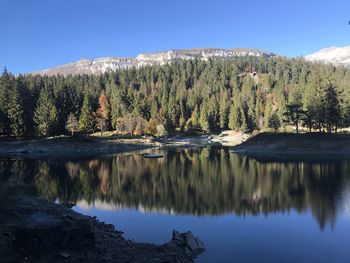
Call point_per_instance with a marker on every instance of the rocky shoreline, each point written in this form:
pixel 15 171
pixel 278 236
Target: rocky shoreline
pixel 71 147
pixel 34 230
pixel 66 147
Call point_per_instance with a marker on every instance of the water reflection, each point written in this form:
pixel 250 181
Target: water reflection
pixel 205 181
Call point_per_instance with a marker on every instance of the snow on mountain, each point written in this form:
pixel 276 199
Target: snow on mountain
pixel 333 55
pixel 107 64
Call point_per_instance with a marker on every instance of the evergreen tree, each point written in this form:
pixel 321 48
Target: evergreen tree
pixel 173 114
pixel 235 117
pixel 312 104
pixel 86 119
pixel 195 117
pixel 184 95
pixel 331 106
pixel 6 85
pixel 15 113
pixel 274 122
pixel 346 115
pixel 294 114
pixel 45 115
pixel 268 112
pixel 204 117
pixel 3 125
pixel 224 111
pixel 247 122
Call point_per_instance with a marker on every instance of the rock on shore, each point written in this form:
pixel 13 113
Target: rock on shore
pixel 44 232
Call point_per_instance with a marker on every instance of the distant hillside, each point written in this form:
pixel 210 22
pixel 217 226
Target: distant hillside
pixel 108 64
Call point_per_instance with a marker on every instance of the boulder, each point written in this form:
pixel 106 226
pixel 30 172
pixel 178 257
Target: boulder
pixel 192 244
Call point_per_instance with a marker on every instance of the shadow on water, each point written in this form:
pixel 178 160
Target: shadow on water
pixel 204 182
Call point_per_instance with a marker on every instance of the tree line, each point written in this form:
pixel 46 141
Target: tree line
pixel 245 94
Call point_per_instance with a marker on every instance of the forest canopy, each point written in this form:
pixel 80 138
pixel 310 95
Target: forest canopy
pixel 245 94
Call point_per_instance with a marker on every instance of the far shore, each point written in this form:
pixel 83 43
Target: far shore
pixel 266 145
pixel 66 147
pixel 294 147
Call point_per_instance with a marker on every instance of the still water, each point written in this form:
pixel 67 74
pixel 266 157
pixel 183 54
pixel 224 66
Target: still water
pixel 242 209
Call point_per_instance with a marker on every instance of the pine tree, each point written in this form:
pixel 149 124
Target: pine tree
pixel 346 115
pixel 45 115
pixel 267 111
pixel 224 111
pixel 195 117
pixel 115 104
pixel 274 121
pixel 15 112
pixel 204 117
pixel 6 84
pixel 294 114
pixel 86 119
pixel 173 113
pixel 312 104
pixel 176 94
pixel 331 106
pixel 3 125
pixel 235 117
pixel 247 122
pixel 154 109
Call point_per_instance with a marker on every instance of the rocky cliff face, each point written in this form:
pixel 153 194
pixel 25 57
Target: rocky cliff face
pixel 102 65
pixel 333 55
pixel 93 66
pixel 203 54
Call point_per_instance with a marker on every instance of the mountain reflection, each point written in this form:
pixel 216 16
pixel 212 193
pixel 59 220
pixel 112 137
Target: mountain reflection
pixel 205 181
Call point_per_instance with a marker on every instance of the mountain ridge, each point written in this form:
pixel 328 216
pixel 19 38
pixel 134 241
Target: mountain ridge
pixel 108 64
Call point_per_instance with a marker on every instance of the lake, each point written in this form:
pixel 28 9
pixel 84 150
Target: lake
pixel 244 210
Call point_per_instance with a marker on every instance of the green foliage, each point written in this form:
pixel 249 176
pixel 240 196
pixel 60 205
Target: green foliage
pixel 204 117
pixel 185 95
pixel 274 122
pixel 86 119
pixel 331 107
pixel 294 114
pixel 45 115
pixel 224 111
pixel 15 113
pixel 235 117
pixel 322 105
pixel 6 86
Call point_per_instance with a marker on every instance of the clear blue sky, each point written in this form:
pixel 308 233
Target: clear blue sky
pixel 37 34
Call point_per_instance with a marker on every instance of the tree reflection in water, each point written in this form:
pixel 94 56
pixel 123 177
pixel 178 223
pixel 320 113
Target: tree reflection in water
pixel 205 181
